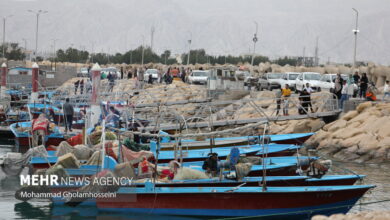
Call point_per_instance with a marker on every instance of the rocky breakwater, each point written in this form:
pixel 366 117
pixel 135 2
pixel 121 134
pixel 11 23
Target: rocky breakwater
pixel 361 135
pixel 242 109
pixel 373 215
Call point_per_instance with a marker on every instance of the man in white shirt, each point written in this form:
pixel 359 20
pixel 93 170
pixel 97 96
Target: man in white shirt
pixel 344 94
pixel 386 90
pixel 309 89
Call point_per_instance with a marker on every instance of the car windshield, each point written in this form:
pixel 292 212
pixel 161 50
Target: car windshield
pixel 199 73
pixel 151 71
pixel 312 76
pixel 292 76
pixel 275 76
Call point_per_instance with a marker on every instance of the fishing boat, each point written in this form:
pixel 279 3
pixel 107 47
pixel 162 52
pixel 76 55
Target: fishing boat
pixel 286 202
pixel 23 137
pixel 297 138
pixel 223 152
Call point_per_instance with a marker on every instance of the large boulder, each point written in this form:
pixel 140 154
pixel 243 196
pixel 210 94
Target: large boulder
pixel 361 135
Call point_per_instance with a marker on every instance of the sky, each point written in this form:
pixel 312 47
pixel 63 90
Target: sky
pixel 285 27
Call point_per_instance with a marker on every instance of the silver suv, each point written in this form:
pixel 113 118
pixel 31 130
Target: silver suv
pixel 270 81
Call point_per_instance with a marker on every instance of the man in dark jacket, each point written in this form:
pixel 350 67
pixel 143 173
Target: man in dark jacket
pixel 211 164
pixel 68 114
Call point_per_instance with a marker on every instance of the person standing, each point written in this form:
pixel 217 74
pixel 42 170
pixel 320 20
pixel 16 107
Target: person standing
pixel 286 93
pixel 111 82
pixel 121 72
pixel 68 114
pixel 140 76
pixel 338 85
pixel 386 90
pixel 81 86
pixel 76 86
pixel 183 74
pixel 344 94
pixel 356 78
pixel 355 81
pixel 363 86
pixel 309 91
pixel 278 96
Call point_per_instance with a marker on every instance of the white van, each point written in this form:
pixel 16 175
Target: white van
pixel 289 78
pixel 308 77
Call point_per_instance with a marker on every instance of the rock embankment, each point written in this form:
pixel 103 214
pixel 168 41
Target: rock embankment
pixel 373 215
pixel 360 135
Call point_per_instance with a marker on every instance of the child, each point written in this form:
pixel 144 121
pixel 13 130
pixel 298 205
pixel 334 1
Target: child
pixel 286 93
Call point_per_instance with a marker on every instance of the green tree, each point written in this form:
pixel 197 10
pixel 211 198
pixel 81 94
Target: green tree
pixel 12 51
pixel 286 60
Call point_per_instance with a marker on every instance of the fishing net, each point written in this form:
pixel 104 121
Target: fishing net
pixel 242 170
pixel 68 161
pixel 63 149
pixel 57 170
pixel 185 173
pixel 82 152
pixel 95 159
pixel 132 145
pixel 125 170
pixel 14 163
pixel 251 159
pixel 95 137
pixel 94 187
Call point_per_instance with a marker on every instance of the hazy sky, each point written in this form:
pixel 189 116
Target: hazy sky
pixel 286 27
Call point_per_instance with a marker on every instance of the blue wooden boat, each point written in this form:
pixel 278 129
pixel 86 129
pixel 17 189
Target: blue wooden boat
pixel 297 138
pixel 281 202
pixel 223 152
pixel 274 166
pixel 24 138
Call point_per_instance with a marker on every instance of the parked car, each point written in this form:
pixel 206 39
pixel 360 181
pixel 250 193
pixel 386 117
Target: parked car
pixel 151 73
pixel 198 77
pixel 327 81
pixel 248 79
pixel 270 81
pixel 289 78
pixel 83 72
pixel 112 70
pixel 308 77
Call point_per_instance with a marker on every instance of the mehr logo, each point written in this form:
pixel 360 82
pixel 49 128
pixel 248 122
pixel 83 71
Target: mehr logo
pixel 39 180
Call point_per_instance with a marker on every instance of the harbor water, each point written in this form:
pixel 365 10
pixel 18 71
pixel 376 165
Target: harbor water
pixel 10 208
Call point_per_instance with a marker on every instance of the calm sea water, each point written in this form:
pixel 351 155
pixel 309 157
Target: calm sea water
pixel 10 208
